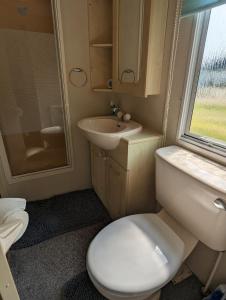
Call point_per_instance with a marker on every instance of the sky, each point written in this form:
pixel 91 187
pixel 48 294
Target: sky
pixel 216 36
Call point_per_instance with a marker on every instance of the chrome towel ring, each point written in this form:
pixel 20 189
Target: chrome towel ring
pixel 78 70
pixel 128 71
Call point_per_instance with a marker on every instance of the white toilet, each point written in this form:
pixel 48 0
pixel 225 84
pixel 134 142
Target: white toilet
pixel 13 221
pixel 133 257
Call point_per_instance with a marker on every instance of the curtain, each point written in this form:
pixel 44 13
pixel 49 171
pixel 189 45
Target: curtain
pixel 193 6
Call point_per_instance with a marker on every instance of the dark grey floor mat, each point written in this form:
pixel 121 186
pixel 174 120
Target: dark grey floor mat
pixel 189 289
pixel 61 214
pixel 41 271
pixel 80 287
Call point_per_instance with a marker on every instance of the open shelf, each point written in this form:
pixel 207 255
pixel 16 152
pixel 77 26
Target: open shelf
pixel 100 20
pixel 100 41
pixel 101 67
pixel 105 90
pixel 101 45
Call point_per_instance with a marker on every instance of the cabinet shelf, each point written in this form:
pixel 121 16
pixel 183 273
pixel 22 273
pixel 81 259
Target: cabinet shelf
pixel 101 45
pixel 105 90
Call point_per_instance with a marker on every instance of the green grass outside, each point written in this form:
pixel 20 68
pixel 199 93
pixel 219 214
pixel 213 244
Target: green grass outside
pixel 209 119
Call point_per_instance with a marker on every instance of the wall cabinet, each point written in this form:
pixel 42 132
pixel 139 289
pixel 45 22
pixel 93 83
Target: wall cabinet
pixel 124 178
pixel 130 49
pixel 138 39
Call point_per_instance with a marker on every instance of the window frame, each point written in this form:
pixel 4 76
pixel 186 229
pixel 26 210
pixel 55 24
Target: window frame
pixel 200 28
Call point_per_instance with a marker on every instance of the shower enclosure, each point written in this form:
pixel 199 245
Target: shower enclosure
pixel 32 121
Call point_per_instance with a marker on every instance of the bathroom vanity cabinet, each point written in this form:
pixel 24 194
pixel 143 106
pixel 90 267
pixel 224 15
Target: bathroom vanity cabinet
pixel 127 45
pixel 123 178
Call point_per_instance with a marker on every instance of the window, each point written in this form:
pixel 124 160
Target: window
pixel 203 120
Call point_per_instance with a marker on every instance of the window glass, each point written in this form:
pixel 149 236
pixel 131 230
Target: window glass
pixel 208 119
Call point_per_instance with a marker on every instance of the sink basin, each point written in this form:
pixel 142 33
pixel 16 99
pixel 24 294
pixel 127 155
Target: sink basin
pixel 106 132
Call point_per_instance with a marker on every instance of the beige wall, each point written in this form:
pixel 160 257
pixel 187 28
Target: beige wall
pixel 37 15
pixel 201 262
pixel 83 102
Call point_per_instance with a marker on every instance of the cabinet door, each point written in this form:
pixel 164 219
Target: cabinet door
pixel 98 168
pixel 130 40
pixel 116 189
pixel 138 45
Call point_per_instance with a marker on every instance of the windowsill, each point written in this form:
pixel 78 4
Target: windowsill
pixel 202 149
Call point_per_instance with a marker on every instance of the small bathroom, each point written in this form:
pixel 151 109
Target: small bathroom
pixel 112 149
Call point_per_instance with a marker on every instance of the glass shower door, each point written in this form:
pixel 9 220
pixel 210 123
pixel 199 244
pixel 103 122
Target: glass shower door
pixel 31 105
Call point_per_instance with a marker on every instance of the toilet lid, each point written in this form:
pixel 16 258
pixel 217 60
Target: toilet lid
pixel 135 254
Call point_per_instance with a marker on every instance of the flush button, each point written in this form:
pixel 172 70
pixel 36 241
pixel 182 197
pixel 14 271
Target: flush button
pixel 220 203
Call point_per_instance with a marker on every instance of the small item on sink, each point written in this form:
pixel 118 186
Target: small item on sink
pixel 119 115
pixel 127 117
pixel 109 83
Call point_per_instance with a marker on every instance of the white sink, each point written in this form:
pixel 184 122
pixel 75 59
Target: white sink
pixel 106 132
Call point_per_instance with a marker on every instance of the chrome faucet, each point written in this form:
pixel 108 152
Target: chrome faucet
pixel 114 108
pixel 116 111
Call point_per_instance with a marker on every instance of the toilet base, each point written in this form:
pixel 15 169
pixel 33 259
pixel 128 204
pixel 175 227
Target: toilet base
pixel 110 296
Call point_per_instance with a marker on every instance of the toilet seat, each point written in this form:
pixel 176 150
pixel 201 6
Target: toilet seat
pixel 134 256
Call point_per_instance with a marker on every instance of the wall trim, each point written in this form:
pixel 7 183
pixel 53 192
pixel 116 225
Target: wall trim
pixel 171 68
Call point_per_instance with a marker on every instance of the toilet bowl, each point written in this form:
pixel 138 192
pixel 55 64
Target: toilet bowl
pixel 135 256
pixel 13 221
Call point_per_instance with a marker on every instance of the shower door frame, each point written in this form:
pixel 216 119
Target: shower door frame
pixel 5 170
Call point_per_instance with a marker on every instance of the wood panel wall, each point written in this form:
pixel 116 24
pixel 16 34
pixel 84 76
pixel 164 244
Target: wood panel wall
pixel 29 15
